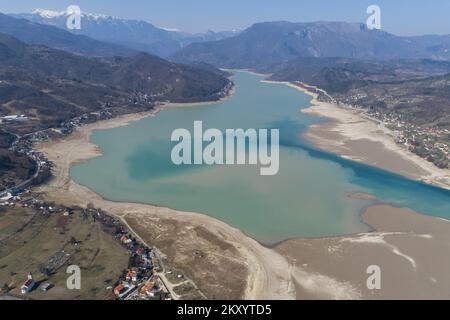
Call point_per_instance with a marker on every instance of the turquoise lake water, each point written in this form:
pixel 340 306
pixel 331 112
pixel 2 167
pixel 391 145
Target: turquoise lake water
pixel 308 197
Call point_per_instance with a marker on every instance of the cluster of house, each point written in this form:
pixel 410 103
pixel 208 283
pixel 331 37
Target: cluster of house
pixel 69 126
pixel 31 200
pixel 135 288
pixel 140 281
pixel 427 142
pixel 430 143
pixel 106 112
pixel 7 199
pixel 23 146
pixel 12 118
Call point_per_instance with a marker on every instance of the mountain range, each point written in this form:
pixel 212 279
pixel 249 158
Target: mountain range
pixel 260 45
pixel 268 43
pixel 418 90
pixel 134 34
pixel 333 74
pixel 36 33
pixel 51 86
pixel 346 59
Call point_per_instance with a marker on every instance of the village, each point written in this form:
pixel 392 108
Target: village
pixel 144 278
pixel 147 276
pixel 431 143
pixel 23 144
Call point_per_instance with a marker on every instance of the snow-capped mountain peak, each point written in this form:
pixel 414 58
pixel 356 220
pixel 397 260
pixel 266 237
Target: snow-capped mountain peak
pixel 136 34
pixel 168 29
pixel 49 14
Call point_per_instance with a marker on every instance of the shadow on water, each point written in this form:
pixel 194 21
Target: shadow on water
pixel 388 186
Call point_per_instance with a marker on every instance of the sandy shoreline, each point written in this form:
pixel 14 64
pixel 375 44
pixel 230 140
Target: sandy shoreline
pixel 199 104
pixel 357 138
pixel 297 268
pixel 266 268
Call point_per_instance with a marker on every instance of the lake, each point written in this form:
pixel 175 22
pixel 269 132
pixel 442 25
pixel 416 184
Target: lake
pixel 308 197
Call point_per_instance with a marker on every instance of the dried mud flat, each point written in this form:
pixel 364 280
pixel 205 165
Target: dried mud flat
pixel 412 251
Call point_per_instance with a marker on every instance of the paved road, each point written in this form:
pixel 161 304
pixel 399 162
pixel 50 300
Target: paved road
pixel 26 182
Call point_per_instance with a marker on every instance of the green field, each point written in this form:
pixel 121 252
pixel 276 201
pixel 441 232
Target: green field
pixel 30 240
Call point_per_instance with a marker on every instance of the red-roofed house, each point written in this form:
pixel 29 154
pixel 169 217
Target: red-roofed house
pixel 119 289
pixel 28 285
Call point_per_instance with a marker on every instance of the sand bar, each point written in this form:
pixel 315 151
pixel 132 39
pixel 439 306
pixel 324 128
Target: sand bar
pixel 355 137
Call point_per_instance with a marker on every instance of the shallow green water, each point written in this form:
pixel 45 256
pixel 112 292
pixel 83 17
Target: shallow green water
pixel 308 197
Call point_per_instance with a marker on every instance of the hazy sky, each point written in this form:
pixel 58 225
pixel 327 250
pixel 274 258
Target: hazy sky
pixel 403 17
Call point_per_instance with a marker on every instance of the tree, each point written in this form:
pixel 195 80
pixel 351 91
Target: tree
pixel 5 288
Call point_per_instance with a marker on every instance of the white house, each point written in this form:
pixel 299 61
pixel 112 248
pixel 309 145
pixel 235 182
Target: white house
pixel 28 285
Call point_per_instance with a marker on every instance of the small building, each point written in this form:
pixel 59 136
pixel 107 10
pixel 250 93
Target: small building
pixel 150 289
pixel 119 289
pixel 131 275
pixel 123 290
pixel 6 197
pixel 125 239
pixel 46 286
pixel 28 285
pixel 147 287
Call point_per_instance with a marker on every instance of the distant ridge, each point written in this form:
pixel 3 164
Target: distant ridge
pixel 35 33
pixel 135 34
pixel 275 42
pixel 51 86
